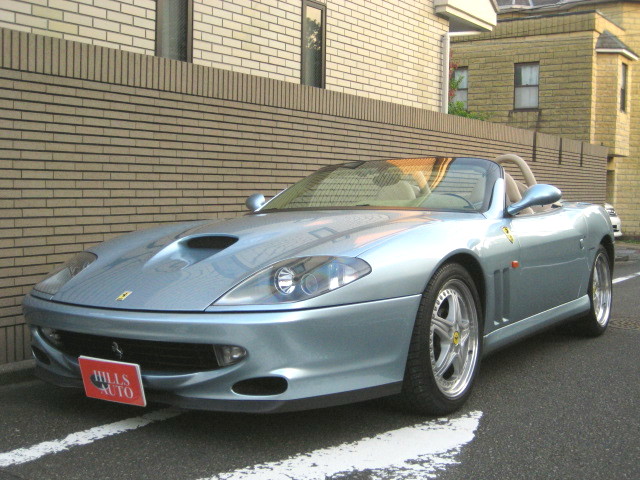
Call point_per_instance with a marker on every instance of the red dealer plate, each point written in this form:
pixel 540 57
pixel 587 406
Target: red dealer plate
pixel 112 381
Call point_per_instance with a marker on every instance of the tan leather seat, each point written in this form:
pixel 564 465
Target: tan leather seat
pixel 514 192
pixel 398 191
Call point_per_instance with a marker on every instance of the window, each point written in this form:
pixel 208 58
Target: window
pixel 623 87
pixel 461 80
pixel 174 29
pixel 527 76
pixel 313 44
pixel 611 181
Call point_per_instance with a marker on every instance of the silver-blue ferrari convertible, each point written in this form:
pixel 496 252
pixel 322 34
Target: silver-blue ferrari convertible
pixel 365 279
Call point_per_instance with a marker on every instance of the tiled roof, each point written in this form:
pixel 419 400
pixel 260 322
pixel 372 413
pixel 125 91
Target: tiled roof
pixel 608 42
pixel 511 3
pixel 505 4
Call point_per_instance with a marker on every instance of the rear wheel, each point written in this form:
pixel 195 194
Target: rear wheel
pixel 596 321
pixel 445 346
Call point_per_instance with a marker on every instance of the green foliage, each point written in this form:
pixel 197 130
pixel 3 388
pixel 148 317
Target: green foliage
pixel 453 82
pixel 457 108
pixel 313 35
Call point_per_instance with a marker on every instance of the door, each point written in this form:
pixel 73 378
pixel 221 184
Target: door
pixel 552 261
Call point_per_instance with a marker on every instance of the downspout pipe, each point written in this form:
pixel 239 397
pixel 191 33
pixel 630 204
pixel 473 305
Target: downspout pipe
pixel 446 52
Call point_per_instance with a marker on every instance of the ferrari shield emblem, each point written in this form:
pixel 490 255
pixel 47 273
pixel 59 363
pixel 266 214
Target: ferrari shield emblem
pixel 507 232
pixel 123 295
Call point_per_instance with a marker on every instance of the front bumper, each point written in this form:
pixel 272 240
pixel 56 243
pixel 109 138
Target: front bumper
pixel 327 355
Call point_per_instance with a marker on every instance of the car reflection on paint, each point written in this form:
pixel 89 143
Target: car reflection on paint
pixel 365 279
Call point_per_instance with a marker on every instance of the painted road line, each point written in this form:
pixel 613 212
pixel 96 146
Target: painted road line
pixel 419 451
pixel 628 277
pixel 23 455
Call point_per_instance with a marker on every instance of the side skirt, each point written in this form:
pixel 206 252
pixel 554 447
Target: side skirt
pixel 529 326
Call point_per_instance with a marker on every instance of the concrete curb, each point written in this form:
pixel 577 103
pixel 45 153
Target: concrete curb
pixel 17 372
pixel 627 251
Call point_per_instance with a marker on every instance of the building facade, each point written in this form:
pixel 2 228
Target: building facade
pixel 385 50
pixel 120 115
pixel 565 67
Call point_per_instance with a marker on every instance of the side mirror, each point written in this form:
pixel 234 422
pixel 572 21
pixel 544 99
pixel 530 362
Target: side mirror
pixel 255 202
pixel 537 195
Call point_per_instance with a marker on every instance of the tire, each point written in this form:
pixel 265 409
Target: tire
pixel 600 291
pixel 444 353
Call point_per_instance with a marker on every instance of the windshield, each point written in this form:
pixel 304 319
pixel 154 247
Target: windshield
pixel 434 183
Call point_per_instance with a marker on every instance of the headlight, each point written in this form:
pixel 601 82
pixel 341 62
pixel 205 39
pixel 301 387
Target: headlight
pixel 56 279
pixel 295 280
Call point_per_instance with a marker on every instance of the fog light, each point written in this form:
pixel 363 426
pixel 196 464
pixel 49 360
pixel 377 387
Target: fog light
pixel 229 354
pixel 52 336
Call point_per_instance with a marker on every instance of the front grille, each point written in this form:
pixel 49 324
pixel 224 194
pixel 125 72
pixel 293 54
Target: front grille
pixel 150 355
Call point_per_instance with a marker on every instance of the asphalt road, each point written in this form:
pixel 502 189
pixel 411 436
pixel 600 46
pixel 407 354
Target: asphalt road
pixel 555 406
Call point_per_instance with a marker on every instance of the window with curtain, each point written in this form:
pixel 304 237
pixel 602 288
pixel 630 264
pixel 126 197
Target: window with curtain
pixel 527 80
pixel 174 31
pixel 624 72
pixel 313 44
pixel 461 77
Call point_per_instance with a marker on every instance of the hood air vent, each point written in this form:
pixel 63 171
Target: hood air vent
pixel 188 251
pixel 209 242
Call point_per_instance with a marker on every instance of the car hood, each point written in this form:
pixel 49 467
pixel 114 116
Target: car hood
pixel 188 267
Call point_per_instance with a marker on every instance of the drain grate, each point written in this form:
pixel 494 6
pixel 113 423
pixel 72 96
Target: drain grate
pixel 625 323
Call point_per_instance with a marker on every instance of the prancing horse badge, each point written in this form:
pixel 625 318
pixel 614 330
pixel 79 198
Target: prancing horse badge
pixel 122 296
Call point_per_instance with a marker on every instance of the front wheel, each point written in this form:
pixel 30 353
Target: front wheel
pixel 595 322
pixel 445 345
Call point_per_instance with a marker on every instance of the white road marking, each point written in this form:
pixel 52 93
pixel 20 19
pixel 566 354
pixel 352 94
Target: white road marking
pixel 413 452
pixel 628 277
pixel 23 455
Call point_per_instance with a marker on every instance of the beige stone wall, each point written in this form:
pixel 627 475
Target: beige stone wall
pixel 566 66
pixel 610 125
pixel 380 49
pixel 627 168
pixel 579 90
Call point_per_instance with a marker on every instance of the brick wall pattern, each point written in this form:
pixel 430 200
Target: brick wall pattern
pixel 96 142
pixel 380 49
pixel 123 24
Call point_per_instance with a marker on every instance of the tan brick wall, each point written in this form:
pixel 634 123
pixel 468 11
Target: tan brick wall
pixel 380 49
pixel 255 37
pixel 386 50
pixel 125 24
pixel 96 142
